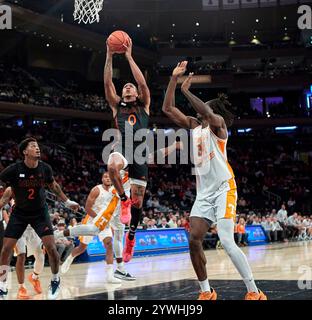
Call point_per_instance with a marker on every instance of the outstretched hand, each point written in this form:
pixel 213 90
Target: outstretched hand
pixel 128 47
pixel 180 69
pixel 109 50
pixel 187 82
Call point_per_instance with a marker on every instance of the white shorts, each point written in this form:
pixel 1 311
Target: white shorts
pixel 29 240
pixel 106 233
pixel 125 161
pixel 221 206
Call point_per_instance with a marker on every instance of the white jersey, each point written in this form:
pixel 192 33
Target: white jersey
pixel 214 175
pixel 103 200
pixel 105 197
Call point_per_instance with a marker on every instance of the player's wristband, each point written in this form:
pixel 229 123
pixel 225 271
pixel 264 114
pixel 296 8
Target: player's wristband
pixel 68 203
pixel 123 197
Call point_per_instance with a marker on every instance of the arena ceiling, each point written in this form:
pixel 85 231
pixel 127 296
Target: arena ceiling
pixel 181 20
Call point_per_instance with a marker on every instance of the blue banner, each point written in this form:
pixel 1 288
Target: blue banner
pixel 256 235
pixel 150 242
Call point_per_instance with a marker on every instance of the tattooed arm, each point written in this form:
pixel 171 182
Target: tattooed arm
pixel 56 189
pixel 6 197
pixel 109 87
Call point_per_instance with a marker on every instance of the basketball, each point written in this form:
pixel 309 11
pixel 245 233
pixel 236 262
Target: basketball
pixel 117 41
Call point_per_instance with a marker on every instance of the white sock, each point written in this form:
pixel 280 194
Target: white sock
pixel 21 285
pixel 35 276
pixel 110 270
pixel 56 277
pixel 225 232
pixel 84 230
pixel 121 267
pixel 204 286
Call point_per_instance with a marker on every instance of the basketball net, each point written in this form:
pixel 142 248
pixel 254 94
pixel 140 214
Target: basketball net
pixel 87 11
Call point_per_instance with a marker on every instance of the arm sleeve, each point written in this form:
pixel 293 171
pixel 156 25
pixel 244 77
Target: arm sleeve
pixel 48 174
pixel 8 175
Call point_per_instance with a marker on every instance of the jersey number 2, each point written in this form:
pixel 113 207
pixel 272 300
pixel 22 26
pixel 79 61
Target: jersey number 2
pixel 31 194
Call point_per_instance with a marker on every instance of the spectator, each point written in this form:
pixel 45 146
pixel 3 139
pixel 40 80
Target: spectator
pixel 185 223
pixel 241 233
pixel 151 224
pixel 277 230
pixel 282 219
pixel 164 224
pixel 267 226
pixel 173 222
pixel 73 223
pixel 144 224
pixel 293 225
pixel 256 220
pixel 63 245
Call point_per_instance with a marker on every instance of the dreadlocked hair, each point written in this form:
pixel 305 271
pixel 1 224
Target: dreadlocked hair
pixel 220 106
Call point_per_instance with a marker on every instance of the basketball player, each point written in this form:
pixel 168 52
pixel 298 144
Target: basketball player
pixel 100 214
pixel 28 180
pixel 33 244
pixel 216 189
pixel 131 110
pixel 98 202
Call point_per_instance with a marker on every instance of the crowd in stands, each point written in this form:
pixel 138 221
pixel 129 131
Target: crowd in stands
pixel 41 89
pixel 19 86
pixel 277 170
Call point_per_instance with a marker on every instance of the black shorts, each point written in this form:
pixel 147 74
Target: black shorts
pixel 136 171
pixel 39 220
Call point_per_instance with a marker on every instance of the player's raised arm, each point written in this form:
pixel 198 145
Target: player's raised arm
pixel 201 107
pixel 109 87
pixel 144 93
pixel 91 200
pixel 168 107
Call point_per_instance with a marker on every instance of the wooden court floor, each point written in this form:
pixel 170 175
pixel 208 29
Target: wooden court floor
pixel 276 267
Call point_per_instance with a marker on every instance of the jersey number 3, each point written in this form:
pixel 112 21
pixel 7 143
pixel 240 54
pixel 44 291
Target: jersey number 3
pixel 31 194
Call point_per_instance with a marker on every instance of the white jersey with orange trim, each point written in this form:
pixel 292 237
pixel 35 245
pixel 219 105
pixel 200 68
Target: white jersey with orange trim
pixel 107 207
pixel 216 194
pixel 211 165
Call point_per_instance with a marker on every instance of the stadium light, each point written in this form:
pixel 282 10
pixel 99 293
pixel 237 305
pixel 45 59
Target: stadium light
pixel 289 128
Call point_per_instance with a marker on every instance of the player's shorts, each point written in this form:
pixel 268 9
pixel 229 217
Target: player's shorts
pixel 29 240
pixel 219 206
pixel 106 233
pixel 19 220
pixel 138 173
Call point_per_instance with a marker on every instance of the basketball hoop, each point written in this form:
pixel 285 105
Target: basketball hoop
pixel 87 11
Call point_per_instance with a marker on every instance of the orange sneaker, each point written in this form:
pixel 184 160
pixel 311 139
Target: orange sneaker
pixel 22 294
pixel 212 295
pixel 125 215
pixel 128 249
pixel 256 296
pixel 35 283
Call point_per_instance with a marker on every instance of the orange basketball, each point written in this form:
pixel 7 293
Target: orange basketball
pixel 117 41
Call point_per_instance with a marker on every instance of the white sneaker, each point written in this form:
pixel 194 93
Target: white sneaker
pixel 123 275
pixel 113 280
pixel 54 289
pixel 66 264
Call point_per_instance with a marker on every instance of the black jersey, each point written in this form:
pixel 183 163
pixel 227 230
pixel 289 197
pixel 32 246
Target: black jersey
pixel 131 114
pixel 28 184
